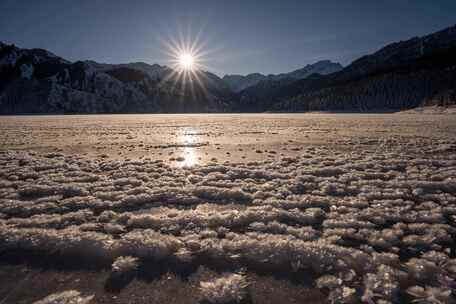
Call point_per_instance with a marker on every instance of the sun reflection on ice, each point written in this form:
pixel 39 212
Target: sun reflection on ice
pixel 188 156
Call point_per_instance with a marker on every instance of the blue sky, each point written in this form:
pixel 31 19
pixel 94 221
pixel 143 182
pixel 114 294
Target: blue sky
pixel 236 36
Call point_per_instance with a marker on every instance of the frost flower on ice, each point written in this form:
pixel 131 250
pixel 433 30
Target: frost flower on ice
pixel 125 264
pixel 430 294
pixel 230 288
pixel 65 297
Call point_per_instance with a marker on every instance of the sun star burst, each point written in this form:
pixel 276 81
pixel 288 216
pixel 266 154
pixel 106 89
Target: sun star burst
pixel 187 59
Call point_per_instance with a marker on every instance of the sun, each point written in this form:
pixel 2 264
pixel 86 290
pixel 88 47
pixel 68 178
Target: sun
pixel 186 61
pixel 188 55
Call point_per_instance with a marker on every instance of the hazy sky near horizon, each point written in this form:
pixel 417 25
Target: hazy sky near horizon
pixel 237 36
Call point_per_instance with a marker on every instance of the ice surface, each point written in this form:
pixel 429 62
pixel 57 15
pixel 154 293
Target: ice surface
pixel 366 205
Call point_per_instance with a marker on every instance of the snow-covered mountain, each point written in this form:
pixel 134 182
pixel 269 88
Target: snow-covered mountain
pixel 37 81
pixel 402 75
pixel 238 83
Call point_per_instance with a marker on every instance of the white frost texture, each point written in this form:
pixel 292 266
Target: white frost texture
pixel 372 225
pixel 66 297
pixel 124 265
pixel 230 288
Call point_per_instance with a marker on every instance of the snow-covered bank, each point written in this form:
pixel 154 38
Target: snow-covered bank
pixel 430 110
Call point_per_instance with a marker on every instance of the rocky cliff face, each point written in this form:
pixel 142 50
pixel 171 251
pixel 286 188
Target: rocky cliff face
pixel 402 75
pixel 37 81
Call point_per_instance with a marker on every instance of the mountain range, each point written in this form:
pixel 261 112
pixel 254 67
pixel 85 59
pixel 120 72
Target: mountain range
pixel 417 72
pixel 238 83
pixel 402 75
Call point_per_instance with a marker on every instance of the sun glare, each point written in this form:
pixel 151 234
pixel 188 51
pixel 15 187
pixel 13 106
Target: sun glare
pixel 186 61
pixel 188 57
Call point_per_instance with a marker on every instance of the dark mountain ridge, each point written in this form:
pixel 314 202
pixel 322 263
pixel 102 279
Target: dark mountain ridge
pixel 399 76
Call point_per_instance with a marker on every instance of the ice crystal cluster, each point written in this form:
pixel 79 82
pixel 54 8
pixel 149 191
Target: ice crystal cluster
pixel 376 225
pixel 66 297
pixel 230 288
pixel 125 265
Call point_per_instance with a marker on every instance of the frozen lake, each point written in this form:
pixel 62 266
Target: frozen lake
pixel 201 138
pixel 306 207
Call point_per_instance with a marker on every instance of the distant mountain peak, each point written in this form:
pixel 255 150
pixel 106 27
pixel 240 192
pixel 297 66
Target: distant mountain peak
pixel 401 75
pixel 238 83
